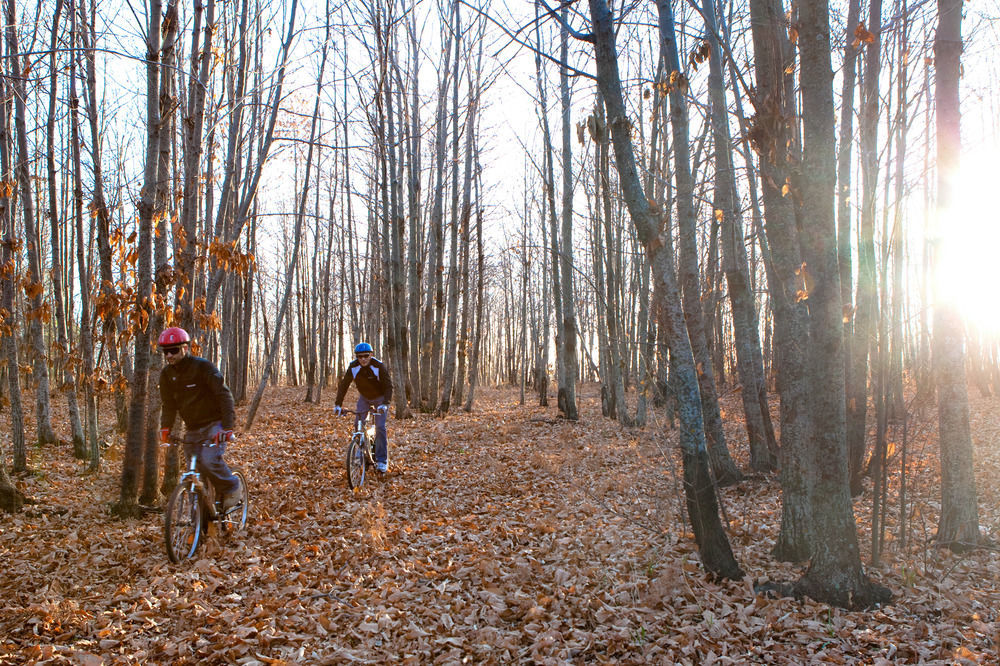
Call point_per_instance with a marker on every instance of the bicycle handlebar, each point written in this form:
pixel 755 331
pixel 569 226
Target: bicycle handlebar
pixel 372 409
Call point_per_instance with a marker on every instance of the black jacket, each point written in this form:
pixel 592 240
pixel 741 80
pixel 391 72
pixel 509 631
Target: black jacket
pixel 195 388
pixel 372 381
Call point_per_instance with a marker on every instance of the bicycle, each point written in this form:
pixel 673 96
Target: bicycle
pixel 361 450
pixel 192 506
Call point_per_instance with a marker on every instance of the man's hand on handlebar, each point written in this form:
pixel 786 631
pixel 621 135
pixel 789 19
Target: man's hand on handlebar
pixel 224 436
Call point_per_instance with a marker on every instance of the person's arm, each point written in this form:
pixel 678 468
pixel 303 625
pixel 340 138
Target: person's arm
pixel 224 398
pixel 386 383
pixel 168 407
pixel 345 383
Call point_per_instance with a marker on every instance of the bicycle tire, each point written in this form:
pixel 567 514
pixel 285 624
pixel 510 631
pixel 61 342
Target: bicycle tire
pixel 182 524
pixel 235 519
pixel 356 463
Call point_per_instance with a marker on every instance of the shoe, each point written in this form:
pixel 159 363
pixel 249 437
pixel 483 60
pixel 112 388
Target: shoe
pixel 232 499
pixel 382 467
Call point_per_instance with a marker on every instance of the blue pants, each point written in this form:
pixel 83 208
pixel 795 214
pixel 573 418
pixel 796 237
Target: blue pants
pixel 210 461
pixel 381 438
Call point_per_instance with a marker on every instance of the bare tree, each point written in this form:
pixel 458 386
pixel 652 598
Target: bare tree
pixel 33 279
pixel 134 443
pixel 866 312
pixel 735 263
pixel 725 470
pixel 62 360
pixel 703 511
pixel 835 574
pixel 297 232
pixel 958 527
pixel 9 246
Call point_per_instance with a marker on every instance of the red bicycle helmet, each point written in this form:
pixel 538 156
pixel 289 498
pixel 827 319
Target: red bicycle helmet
pixel 173 336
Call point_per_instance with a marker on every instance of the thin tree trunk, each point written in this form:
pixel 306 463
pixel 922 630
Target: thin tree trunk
pixel 432 319
pixel 34 278
pixel 92 450
pixel 162 272
pixel 567 390
pixel 725 470
pixel 703 511
pixel 68 378
pixel 477 339
pixel 866 303
pixel 9 244
pixel 734 256
pixel 451 335
pixel 127 506
pixel 293 260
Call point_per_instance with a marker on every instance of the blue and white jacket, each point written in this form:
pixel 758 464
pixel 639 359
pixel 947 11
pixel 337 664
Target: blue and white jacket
pixel 372 381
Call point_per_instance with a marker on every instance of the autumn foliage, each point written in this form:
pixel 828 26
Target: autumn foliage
pixel 502 536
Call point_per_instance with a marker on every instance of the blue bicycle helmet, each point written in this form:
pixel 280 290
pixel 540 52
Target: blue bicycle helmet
pixel 362 348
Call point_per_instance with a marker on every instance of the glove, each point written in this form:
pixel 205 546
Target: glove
pixel 223 436
pixel 164 435
pixel 338 410
pixel 383 409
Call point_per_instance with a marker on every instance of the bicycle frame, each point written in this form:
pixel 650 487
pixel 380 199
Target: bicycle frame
pixel 361 451
pixel 366 428
pixel 205 491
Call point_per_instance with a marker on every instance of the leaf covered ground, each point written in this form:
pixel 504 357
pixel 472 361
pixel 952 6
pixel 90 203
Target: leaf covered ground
pixel 501 536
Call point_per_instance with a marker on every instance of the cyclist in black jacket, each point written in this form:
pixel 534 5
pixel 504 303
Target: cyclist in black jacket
pixel 193 387
pixel 371 376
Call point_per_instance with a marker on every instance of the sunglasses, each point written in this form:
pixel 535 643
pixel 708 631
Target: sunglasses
pixel 360 356
pixel 170 351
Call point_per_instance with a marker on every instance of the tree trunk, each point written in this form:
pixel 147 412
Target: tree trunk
pixel 140 315
pixel 713 544
pixel 451 334
pixel 293 260
pixel 609 312
pixel 866 302
pixel 567 390
pixel 34 278
pixel 723 467
pixel 92 449
pixel 9 245
pixel 414 273
pixel 477 339
pixel 835 574
pixel 194 119
pixel 432 318
pixel 734 257
pixel 162 272
pixel 845 205
pixel 958 527
pixel 68 377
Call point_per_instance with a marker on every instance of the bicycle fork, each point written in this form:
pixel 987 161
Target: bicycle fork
pixel 205 495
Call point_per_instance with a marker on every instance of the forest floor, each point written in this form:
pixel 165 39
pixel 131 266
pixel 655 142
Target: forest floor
pixel 501 536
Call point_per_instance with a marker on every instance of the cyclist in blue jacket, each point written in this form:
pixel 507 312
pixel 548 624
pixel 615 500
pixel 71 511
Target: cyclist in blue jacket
pixel 371 377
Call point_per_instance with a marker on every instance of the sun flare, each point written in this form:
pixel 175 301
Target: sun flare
pixel 970 243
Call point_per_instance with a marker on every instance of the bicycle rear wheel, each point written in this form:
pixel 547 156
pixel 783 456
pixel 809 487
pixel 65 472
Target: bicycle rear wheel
pixel 357 462
pixel 235 518
pixel 183 521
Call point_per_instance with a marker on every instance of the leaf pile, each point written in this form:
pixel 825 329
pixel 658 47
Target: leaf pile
pixel 501 536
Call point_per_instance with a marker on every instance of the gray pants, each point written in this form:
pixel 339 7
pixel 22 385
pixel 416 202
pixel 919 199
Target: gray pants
pixel 210 461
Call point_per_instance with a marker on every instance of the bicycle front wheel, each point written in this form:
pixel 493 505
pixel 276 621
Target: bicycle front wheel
pixel 182 524
pixel 356 463
pixel 234 519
